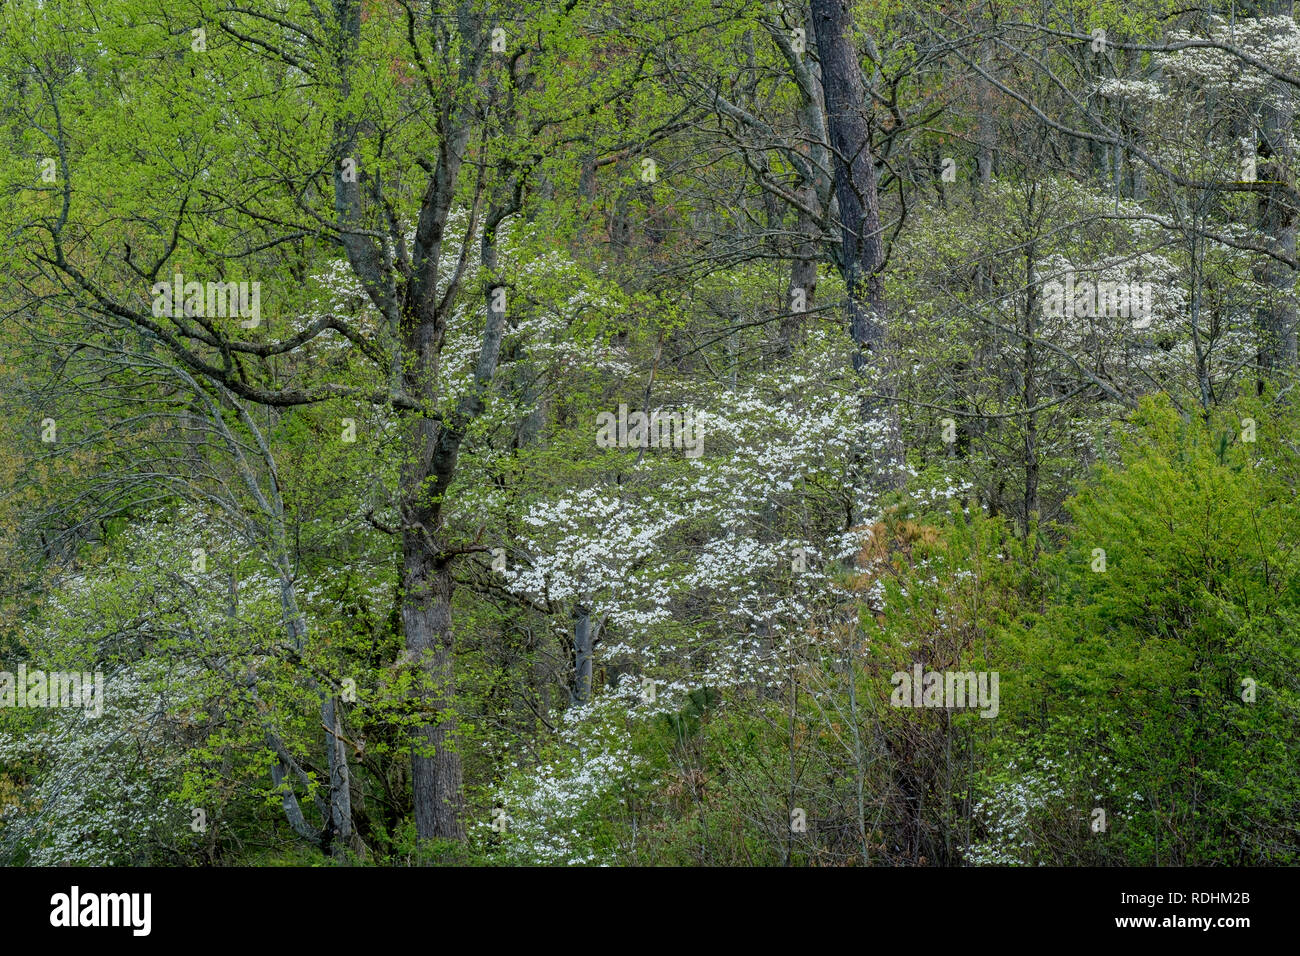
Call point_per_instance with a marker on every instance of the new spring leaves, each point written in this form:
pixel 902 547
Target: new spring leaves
pixel 220 298
pixel 214 300
pixel 1099 565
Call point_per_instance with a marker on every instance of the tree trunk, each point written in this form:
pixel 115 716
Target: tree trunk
pixel 435 760
pixel 1275 318
pixel 803 279
pixel 986 129
pixel 1030 391
pixel 862 245
pixel 813 191
pixel 582 655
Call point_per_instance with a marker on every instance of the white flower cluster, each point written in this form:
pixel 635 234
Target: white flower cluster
pixel 105 798
pixel 1274 40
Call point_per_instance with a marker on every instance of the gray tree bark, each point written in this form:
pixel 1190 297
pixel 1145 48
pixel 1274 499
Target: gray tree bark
pixel 814 191
pixel 862 250
pixel 582 655
pixel 1275 317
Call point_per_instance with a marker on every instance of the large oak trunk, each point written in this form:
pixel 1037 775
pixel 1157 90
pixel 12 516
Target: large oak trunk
pixel 435 761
